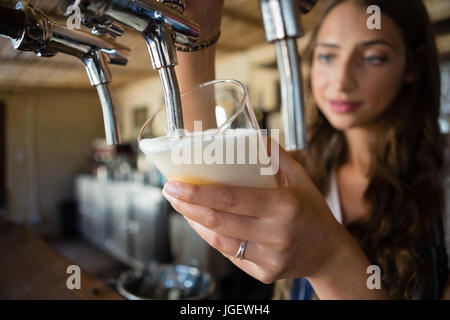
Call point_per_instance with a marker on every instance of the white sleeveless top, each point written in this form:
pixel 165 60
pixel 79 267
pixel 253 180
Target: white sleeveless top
pixel 334 204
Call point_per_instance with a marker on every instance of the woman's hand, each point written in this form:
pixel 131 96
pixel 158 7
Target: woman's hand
pixel 290 230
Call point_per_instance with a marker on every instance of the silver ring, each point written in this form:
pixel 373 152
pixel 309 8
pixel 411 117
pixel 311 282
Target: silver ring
pixel 240 253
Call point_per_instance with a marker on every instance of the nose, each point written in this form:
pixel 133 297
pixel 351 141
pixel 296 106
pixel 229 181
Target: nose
pixel 345 75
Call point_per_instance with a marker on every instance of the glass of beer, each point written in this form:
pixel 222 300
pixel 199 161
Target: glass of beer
pixel 221 142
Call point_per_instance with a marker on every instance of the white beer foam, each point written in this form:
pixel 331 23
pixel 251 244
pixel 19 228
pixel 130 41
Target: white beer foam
pixel 167 143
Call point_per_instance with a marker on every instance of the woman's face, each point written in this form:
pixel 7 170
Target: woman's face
pixel 356 72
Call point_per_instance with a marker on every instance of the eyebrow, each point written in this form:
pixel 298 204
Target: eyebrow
pixel 374 42
pixel 362 44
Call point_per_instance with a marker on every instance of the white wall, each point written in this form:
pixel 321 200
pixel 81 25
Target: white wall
pixel 49 135
pixel 146 93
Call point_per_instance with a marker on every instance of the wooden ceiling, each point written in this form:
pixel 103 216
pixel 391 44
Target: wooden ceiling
pixel 241 29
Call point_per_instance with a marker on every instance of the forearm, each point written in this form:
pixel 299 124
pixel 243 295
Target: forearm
pixel 345 277
pixel 195 67
pixel 198 66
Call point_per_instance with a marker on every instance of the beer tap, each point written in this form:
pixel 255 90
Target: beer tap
pixel 283 26
pixel 31 30
pixel 162 24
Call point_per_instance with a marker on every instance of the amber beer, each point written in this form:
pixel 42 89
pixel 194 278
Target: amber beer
pixel 236 157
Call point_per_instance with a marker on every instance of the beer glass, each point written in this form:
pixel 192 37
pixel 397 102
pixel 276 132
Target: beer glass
pixel 221 142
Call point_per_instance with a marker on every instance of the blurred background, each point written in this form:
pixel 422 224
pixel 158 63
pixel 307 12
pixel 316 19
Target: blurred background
pixel 101 206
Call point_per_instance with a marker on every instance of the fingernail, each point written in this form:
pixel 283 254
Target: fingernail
pixel 172 189
pixel 168 197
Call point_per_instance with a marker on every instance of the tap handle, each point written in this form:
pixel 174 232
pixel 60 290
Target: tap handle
pixel 282 25
pixel 98 24
pixel 142 14
pixel 111 29
pixel 31 30
pixel 180 38
pixel 12 23
pixel 281 17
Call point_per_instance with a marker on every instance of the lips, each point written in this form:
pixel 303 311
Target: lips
pixel 342 106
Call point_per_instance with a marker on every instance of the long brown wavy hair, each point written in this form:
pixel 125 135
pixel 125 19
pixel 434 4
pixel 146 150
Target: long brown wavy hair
pixel 405 191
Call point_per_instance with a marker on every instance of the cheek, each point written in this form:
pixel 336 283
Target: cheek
pixel 319 83
pixel 381 88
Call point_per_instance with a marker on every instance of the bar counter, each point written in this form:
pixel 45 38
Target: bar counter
pixel 31 269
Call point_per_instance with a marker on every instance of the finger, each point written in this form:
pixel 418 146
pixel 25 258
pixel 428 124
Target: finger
pixel 291 172
pixel 254 259
pixel 227 245
pixel 228 224
pixel 251 269
pixel 251 202
pixel 247 264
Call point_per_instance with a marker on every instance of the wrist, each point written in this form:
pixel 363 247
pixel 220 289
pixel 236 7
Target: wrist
pixel 200 45
pixel 342 251
pixel 208 32
pixel 344 274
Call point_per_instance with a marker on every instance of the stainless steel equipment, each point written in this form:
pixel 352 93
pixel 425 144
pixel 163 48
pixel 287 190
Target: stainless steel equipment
pixel 128 220
pixel 162 24
pixel 283 26
pixel 31 30
pixel 166 282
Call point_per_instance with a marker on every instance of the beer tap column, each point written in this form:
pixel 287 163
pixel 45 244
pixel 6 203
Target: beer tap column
pixel 161 23
pixel 96 64
pixel 164 59
pixel 283 27
pixel 31 30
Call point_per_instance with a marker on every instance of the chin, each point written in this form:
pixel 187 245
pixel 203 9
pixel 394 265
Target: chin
pixel 343 122
pixel 343 126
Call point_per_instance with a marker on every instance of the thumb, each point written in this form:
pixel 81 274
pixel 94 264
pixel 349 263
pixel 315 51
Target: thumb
pixel 290 171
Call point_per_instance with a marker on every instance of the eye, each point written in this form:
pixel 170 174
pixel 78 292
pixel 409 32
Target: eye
pixel 376 60
pixel 325 57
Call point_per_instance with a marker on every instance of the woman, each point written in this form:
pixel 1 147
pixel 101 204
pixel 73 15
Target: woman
pixel 370 189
